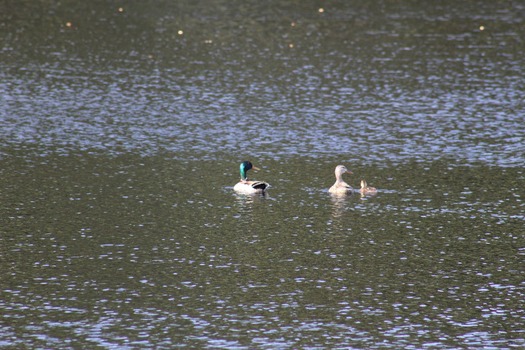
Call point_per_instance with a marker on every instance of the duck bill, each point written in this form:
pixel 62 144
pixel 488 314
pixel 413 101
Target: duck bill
pixel 255 168
pixel 349 172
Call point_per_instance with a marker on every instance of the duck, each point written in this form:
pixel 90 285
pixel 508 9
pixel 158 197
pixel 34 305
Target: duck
pixel 341 187
pixel 365 189
pixel 249 186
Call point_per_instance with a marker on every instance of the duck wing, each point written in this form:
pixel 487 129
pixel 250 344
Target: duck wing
pixel 259 185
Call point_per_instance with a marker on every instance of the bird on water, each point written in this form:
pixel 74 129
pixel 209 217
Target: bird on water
pixel 341 187
pixel 249 186
pixel 365 189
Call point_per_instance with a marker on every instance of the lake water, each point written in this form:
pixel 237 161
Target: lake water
pixel 122 127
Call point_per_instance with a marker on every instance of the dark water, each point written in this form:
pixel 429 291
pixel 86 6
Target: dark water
pixel 120 139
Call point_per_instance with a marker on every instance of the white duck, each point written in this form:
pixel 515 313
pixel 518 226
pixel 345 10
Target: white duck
pixel 341 187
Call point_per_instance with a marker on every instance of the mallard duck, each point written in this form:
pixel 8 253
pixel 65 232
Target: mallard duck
pixel 365 189
pixel 247 186
pixel 341 187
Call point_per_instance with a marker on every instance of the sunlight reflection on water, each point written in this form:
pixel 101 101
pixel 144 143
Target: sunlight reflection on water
pixel 203 113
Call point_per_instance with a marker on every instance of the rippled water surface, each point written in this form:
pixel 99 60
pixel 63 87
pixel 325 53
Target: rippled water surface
pixel 122 127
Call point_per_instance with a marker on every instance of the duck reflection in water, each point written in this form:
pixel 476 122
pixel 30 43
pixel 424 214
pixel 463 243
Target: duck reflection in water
pixel 339 205
pixel 246 204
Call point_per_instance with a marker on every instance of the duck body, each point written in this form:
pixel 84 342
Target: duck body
pixel 249 186
pixel 365 189
pixel 341 187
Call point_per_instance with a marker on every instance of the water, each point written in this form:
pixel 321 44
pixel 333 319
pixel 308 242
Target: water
pixel 120 143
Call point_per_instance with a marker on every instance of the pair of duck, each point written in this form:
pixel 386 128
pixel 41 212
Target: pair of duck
pixel 339 187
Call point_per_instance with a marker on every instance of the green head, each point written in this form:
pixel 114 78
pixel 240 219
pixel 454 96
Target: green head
pixel 244 167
